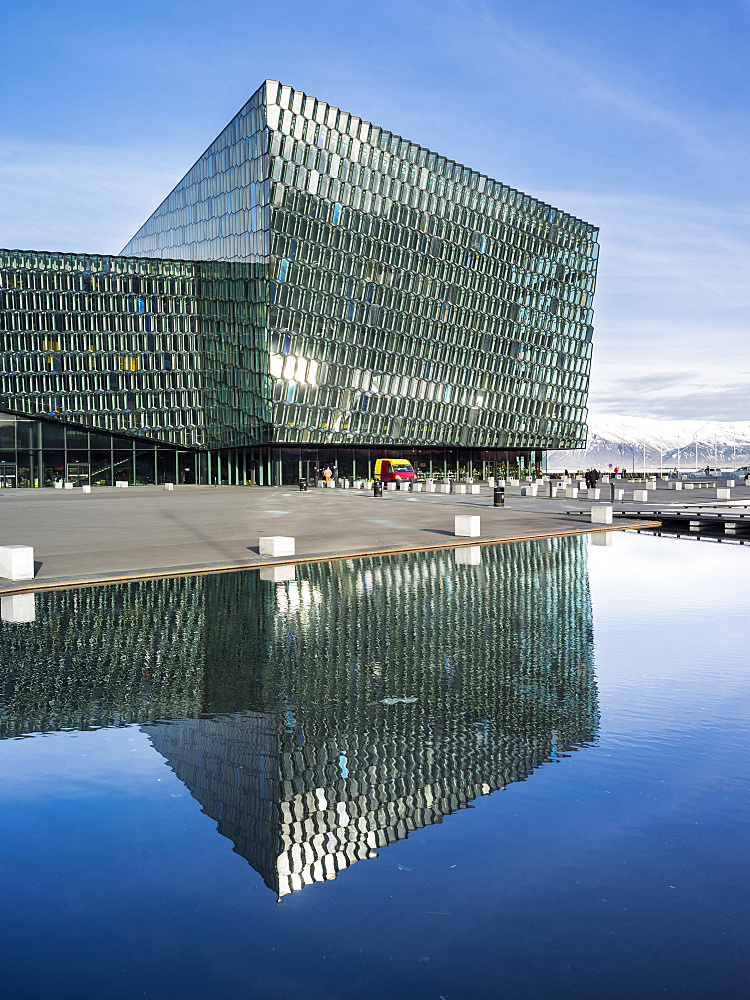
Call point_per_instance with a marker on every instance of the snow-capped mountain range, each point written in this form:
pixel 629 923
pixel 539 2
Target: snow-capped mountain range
pixel 629 441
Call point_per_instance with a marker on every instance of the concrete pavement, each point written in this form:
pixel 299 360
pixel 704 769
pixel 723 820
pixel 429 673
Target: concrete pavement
pixel 116 534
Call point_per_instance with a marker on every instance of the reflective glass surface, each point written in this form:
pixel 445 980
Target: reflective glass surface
pixel 538 749
pixel 171 351
pixel 412 299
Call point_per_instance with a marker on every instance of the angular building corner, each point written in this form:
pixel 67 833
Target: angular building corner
pixel 315 290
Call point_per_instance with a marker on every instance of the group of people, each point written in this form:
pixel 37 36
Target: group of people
pixel 592 478
pixel 331 475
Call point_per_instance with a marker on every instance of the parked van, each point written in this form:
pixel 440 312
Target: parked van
pixel 388 470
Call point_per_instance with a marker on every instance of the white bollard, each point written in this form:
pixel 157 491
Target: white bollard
pixel 58 485
pixel 169 486
pixel 619 495
pixel 390 486
pixel 582 484
pixel 86 489
pixel 122 483
pixel 417 487
pixel 445 488
pixel 475 489
pixel 278 574
pixel 571 492
pixel 594 494
pixel 553 492
pixel 468 555
pixel 723 494
pixel 68 486
pixel 429 487
pixel 640 495
pixel 676 484
pixel 459 488
pixel 467 525
pixel 18 608
pixel 344 484
pixel 491 483
pixel 601 514
pixel 529 491
pixel 276 545
pixel 17 562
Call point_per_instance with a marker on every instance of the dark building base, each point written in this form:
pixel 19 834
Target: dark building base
pixel 41 452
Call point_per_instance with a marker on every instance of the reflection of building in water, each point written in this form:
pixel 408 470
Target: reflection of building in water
pixel 103 656
pixel 390 693
pixel 324 717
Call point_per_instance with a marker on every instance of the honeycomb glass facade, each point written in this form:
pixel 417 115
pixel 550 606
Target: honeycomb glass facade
pixel 331 287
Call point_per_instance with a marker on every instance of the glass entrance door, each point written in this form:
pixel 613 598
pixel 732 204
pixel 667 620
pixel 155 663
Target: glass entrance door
pixel 79 473
pixel 8 475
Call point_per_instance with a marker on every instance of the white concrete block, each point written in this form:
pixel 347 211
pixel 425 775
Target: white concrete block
pixel 417 487
pixel 169 486
pixel 729 483
pixel 276 545
pixel 467 525
pixel 390 486
pixel 17 562
pixel 571 492
pixel 499 482
pixel 529 491
pixel 723 494
pixel 555 491
pixel 58 486
pixel 491 483
pixel 582 484
pixel 469 555
pixel 675 484
pixel 688 486
pixel 594 494
pixel 619 495
pixel 445 488
pixel 86 489
pixel 68 486
pixel 344 484
pixel 278 574
pixel 429 487
pixel 601 514
pixel 18 608
pixel 459 488
pixel 475 489
pixel 123 484
pixel 640 495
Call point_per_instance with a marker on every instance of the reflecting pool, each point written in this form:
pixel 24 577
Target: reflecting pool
pixel 539 749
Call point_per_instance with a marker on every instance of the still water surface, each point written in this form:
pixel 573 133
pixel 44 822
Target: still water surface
pixel 406 777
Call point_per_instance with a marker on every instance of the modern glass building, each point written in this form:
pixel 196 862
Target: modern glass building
pixel 315 291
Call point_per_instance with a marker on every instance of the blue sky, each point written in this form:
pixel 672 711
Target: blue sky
pixel 631 115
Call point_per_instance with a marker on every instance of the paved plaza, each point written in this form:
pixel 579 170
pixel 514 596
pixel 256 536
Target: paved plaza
pixel 111 534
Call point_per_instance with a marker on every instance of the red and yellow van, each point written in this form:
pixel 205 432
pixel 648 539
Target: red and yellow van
pixel 389 470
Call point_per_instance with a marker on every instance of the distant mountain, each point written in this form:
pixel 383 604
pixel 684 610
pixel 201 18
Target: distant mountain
pixel 624 441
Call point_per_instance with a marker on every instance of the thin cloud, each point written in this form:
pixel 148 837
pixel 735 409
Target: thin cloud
pixel 72 198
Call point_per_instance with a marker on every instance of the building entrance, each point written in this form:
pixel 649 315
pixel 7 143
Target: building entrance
pixel 8 475
pixel 79 473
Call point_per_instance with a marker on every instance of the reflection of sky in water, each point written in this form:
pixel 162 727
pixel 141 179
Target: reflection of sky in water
pixel 610 871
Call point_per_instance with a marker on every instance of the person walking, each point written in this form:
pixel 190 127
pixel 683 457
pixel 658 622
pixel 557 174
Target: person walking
pixel 327 475
pixel 336 476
